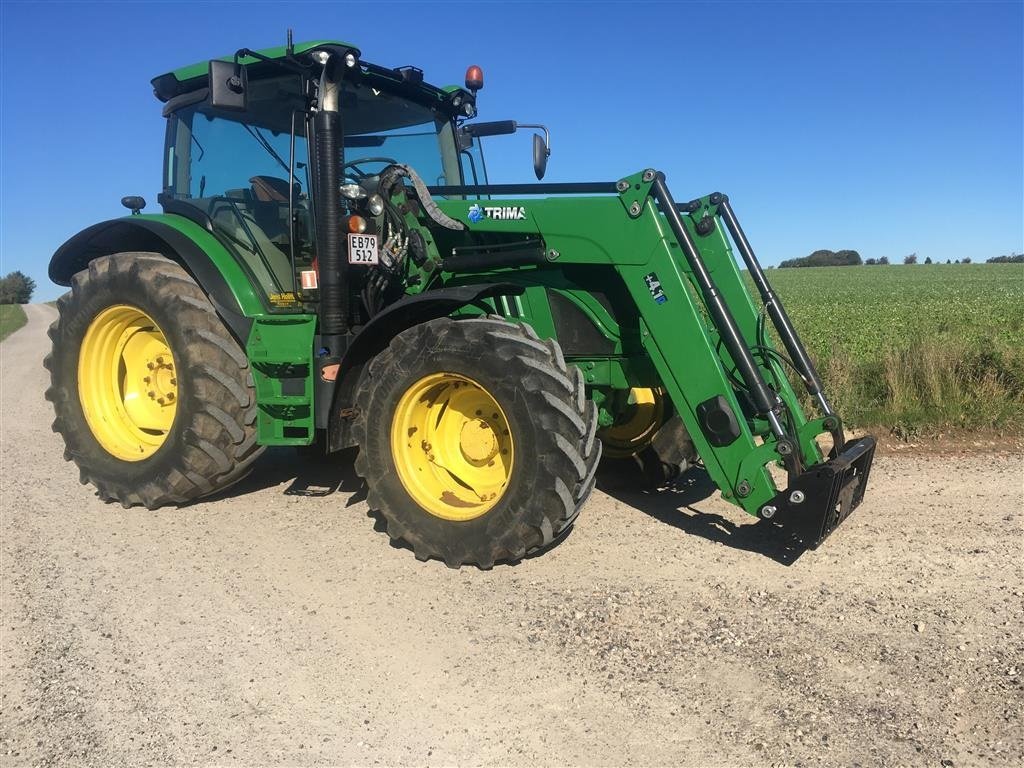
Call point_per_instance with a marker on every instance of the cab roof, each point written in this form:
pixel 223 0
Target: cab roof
pixel 184 79
pixel 195 76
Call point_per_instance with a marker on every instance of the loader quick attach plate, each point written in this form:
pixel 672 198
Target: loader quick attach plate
pixel 829 493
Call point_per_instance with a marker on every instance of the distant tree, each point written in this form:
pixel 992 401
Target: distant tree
pixel 16 288
pixel 966 260
pixel 948 261
pixel 1013 258
pixel 884 261
pixel 927 259
pixel 911 259
pixel 870 262
pixel 957 261
pixel 825 258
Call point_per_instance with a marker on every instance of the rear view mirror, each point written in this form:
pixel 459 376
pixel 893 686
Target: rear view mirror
pixel 227 85
pixel 541 146
pixel 540 156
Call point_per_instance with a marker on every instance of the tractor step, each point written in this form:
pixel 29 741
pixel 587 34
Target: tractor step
pixel 283 378
pixel 821 498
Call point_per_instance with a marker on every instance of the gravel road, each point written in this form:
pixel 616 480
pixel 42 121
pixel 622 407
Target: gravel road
pixel 276 626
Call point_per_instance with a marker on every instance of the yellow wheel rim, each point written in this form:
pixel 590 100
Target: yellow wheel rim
pixel 127 382
pixel 637 425
pixel 452 446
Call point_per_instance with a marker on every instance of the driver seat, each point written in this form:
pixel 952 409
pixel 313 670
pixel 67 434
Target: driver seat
pixel 270 206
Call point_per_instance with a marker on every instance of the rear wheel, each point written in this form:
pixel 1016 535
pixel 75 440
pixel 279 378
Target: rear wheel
pixel 476 441
pixel 152 396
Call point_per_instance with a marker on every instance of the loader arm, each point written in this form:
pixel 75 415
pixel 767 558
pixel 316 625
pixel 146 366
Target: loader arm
pixel 704 333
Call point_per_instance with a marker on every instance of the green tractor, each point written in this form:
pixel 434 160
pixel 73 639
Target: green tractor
pixel 333 269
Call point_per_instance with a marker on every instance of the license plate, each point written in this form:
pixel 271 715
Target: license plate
pixel 362 249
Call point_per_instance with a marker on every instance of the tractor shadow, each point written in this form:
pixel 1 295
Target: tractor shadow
pixel 316 475
pixel 674 506
pixel 311 474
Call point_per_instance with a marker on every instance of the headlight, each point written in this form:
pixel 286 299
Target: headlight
pixel 353 191
pixel 375 204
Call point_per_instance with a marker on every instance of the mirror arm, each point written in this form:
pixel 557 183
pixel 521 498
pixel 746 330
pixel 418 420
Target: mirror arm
pixel 547 134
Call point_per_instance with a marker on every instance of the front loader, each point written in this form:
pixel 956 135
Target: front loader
pixel 332 268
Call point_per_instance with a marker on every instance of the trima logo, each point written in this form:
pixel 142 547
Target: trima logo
pixel 478 213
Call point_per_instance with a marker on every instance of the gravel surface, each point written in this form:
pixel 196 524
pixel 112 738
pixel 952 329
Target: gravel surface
pixel 277 626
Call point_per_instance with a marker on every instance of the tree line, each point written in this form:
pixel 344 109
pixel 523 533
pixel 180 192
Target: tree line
pixel 848 258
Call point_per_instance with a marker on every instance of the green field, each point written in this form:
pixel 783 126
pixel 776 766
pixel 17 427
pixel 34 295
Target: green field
pixel 12 317
pixel 915 349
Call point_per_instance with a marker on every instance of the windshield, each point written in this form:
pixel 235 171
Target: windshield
pixel 381 128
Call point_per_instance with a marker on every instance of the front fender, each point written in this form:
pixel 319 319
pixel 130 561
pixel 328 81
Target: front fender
pixel 212 265
pixel 377 334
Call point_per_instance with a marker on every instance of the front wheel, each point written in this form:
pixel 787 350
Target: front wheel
pixel 476 441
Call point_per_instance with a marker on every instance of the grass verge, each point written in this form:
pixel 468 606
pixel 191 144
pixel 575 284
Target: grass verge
pixel 12 317
pixel 930 386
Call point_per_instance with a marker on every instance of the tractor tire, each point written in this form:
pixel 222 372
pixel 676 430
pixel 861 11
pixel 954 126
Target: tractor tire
pixel 655 464
pixel 153 397
pixel 669 455
pixel 477 442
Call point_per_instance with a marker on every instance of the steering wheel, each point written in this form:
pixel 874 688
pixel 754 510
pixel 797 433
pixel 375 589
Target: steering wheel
pixel 360 161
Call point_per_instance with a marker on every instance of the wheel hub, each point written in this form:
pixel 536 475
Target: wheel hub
pixel 161 382
pixel 478 441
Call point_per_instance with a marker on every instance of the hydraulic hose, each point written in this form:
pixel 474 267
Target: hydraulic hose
pixel 391 175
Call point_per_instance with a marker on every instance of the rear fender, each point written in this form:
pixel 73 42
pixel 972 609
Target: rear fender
pixel 212 265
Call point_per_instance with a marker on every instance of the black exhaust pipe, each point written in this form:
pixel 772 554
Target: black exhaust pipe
pixel 330 342
pixel 334 304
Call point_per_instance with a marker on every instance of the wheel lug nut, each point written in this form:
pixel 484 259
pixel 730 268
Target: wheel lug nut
pixel 146 379
pixel 170 396
pixel 160 400
pixel 160 361
pixel 174 381
pixel 152 394
pixel 151 365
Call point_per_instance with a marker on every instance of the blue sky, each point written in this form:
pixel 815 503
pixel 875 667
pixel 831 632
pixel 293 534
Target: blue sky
pixel 886 127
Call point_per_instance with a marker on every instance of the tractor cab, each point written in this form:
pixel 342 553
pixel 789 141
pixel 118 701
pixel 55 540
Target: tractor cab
pixel 244 167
